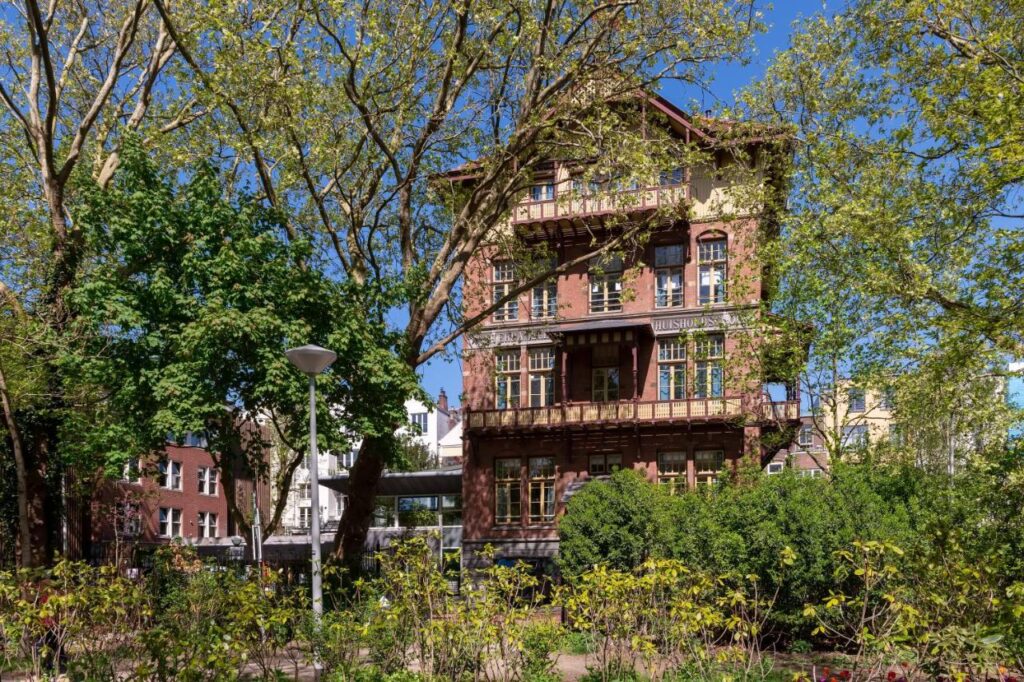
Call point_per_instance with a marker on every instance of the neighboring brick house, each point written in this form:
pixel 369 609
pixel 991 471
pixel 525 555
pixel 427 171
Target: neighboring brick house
pixel 177 494
pixel 630 363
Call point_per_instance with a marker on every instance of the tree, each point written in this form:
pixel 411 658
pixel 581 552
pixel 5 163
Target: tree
pixel 190 300
pixel 76 77
pixel 406 154
pixel 902 245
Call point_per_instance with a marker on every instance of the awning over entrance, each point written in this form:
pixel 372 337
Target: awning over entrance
pixel 430 482
pixel 600 331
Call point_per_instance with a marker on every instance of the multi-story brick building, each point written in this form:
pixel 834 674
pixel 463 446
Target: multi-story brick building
pixel 646 361
pixel 177 494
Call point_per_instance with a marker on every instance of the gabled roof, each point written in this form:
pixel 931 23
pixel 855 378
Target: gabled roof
pixel 453 438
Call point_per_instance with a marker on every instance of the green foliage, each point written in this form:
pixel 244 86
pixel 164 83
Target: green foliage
pixel 618 523
pixel 742 527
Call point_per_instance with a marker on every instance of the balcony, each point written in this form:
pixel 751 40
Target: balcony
pixel 608 203
pixel 624 413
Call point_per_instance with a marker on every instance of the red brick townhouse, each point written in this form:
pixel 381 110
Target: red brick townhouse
pixel 176 494
pixel 643 361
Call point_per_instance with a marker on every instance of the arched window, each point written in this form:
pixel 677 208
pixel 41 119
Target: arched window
pixel 712 269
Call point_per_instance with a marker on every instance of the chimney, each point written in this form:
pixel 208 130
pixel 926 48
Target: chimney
pixel 442 401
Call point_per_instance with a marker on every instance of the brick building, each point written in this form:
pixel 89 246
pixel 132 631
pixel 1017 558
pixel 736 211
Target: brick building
pixel 174 495
pixel 645 361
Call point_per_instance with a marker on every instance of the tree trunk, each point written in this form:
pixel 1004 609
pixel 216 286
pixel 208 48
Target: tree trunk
pixel 362 491
pixel 25 542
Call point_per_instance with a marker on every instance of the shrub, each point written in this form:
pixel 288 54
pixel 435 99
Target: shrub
pixel 618 523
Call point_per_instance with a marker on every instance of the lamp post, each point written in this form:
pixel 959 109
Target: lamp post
pixel 311 360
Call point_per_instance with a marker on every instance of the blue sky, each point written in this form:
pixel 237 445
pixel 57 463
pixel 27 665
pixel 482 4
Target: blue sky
pixel 447 373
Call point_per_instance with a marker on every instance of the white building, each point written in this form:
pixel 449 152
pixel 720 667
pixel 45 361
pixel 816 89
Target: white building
pixel 449 448
pixel 429 426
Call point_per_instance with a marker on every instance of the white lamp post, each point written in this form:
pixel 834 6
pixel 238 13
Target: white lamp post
pixel 311 360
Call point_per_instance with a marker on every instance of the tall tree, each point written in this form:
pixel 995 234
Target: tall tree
pixel 903 244
pixel 190 300
pixel 405 93
pixel 75 77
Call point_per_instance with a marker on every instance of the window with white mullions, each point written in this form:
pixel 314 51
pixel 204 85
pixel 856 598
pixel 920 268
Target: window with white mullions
pixel 671 370
pixel 170 475
pixel 606 286
pixel 170 522
pixel 542 377
pixel 542 489
pixel 506 380
pixel 712 265
pixel 207 524
pixel 543 191
pixel 709 380
pixel 668 274
pixel 207 480
pixel 502 282
pixel 544 301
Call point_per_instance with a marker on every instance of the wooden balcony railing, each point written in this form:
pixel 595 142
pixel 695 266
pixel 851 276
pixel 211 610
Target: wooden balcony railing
pixel 606 203
pixel 624 412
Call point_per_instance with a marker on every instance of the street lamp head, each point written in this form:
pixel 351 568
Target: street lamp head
pixel 310 359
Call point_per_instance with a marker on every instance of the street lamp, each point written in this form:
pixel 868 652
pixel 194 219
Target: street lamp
pixel 311 360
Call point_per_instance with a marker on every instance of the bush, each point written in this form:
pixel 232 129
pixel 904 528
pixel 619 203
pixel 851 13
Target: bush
pixel 741 527
pixel 618 523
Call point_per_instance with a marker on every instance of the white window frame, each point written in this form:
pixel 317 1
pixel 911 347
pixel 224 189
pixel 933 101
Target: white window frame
pixel 774 468
pixel 712 271
pixel 170 475
pixel 543 191
pixel 503 278
pixel 542 474
pixel 673 470
pixel 305 517
pixel 604 463
pixel 508 486
pixel 421 420
pixel 170 522
pixel 605 286
pixel 207 523
pixel 704 474
pixel 209 481
pixel 668 275
pixel 808 431
pixel 710 352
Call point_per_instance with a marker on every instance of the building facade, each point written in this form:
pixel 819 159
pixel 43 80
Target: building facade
pixel 644 360
pixel 427 425
pixel 176 495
